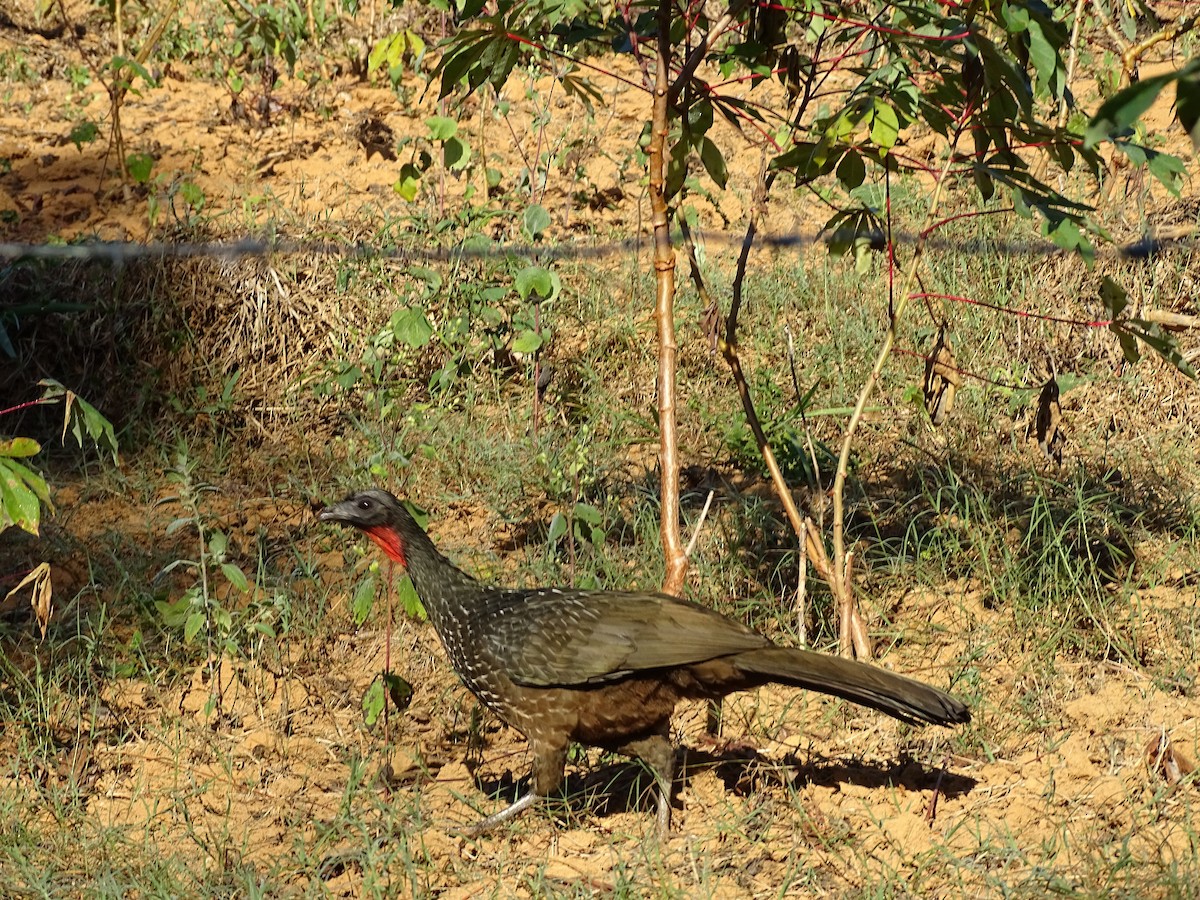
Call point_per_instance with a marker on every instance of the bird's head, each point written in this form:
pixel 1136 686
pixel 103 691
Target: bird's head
pixel 379 515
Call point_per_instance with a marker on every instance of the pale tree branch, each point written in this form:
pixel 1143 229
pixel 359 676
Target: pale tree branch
pixel 674 555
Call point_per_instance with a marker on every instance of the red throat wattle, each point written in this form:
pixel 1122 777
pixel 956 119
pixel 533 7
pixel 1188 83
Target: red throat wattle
pixel 388 540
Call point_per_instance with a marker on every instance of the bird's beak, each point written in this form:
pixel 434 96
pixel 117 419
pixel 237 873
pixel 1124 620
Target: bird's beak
pixel 332 513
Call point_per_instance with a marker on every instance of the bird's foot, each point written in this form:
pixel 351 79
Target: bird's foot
pixel 499 818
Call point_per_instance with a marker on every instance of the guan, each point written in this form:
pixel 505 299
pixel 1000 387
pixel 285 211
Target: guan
pixel 606 668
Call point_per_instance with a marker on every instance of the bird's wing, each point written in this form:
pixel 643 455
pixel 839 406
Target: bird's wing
pixel 562 637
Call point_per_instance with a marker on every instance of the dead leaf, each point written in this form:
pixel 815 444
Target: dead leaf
pixel 1165 759
pixel 942 380
pixel 1047 422
pixel 713 325
pixel 39 577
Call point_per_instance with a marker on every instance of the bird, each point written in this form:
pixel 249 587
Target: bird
pixel 606 668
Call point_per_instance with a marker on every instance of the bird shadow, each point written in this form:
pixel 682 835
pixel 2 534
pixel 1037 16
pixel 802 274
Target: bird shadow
pixel 623 786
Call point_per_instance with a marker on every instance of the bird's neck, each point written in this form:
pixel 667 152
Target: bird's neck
pixel 445 590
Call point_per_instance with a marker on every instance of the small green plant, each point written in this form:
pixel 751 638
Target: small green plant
pixel 14 67
pixel 478 323
pixel 572 480
pixel 455 155
pixel 23 492
pixel 139 166
pixel 227 629
pixel 394 52
pixel 83 133
pixel 262 34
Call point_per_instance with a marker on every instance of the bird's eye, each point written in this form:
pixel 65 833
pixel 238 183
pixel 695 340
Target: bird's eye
pixel 364 504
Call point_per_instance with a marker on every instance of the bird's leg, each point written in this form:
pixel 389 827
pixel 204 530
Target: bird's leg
pixel 657 753
pixel 548 766
pixel 523 803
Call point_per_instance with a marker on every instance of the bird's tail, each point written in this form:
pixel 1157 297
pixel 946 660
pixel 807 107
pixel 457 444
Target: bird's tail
pixel 903 698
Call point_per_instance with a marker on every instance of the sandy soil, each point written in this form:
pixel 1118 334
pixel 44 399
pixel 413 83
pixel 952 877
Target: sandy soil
pixel 803 797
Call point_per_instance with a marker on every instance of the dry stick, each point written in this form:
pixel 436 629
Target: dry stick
pixel 665 95
pixel 801 605
pixel 1114 35
pixel 857 639
pixel 664 269
pixel 700 523
pixel 1171 320
pixel 812 547
pixel 1131 56
pixel 804 529
pixel 1071 60
pixel 688 69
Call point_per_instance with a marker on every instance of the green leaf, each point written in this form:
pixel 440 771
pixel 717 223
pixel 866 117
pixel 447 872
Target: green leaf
pixel 1042 54
pixel 33 481
pixel 1168 169
pixel 364 599
pixel 527 342
pixel 700 117
pixel 408 183
pixel 1129 344
pixel 851 171
pixel 235 576
pixel 193 625
pixel 809 160
pixel 174 613
pixel 536 281
pixel 387 49
pixel 441 128
pixel 588 513
pixel 18 501
pixel 177 524
pixel 1016 17
pixel 1113 296
pixel 83 133
pixel 411 328
pixel 714 162
pixel 558 527
pixel 19 447
pixel 1159 341
pixel 456 154
pixel 430 277
pixel 983 182
pixel 1065 232
pixel 52 389
pixel 372 702
pixel 192 194
pixel 410 601
pixel 399 691
pixel 98 428
pixel 458 60
pixel 535 221
pixel 264 629
pixel 218 544
pixel 1187 100
pixel 885 126
pixel 140 165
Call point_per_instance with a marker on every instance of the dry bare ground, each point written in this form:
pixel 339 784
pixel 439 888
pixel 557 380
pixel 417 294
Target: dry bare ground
pixel 1073 778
